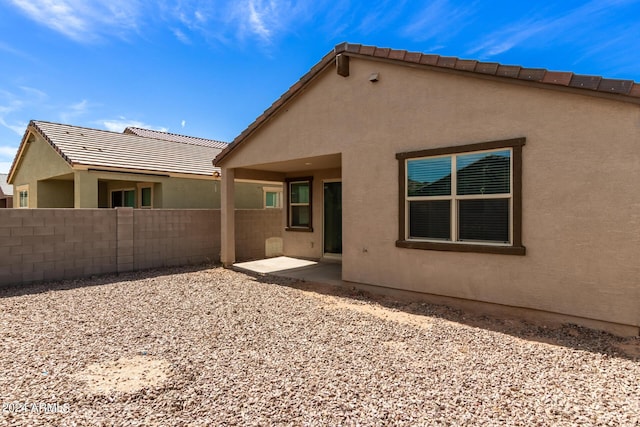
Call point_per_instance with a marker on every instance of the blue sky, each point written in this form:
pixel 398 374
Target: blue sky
pixel 208 68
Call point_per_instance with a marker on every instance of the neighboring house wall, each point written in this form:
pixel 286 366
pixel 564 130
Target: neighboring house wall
pixel 40 162
pixel 55 244
pixel 52 183
pixel 54 194
pixel 580 172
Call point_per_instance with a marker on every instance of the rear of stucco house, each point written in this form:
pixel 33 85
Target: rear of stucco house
pixel 561 237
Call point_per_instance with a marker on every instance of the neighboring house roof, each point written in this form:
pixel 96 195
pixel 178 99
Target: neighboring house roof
pixel 85 148
pixel 6 190
pixel 173 137
pixel 622 90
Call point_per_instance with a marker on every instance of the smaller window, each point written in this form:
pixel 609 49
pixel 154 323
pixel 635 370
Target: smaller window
pixel 23 196
pixel 272 197
pixel 299 204
pixel 146 196
pixel 123 198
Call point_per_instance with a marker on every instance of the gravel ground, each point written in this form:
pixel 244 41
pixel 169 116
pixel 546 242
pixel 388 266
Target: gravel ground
pixel 210 346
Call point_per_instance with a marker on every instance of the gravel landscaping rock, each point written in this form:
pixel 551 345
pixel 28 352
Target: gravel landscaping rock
pixel 210 346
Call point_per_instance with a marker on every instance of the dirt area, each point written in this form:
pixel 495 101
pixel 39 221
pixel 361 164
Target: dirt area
pixel 210 346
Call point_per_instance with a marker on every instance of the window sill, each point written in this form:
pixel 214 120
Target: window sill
pixel 461 247
pixel 302 229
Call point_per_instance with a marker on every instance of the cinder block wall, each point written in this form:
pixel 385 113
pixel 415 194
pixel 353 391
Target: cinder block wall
pixel 55 244
pixel 253 228
pixel 170 237
pixel 51 244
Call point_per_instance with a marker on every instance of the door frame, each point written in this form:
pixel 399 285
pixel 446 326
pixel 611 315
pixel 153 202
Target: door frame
pixel 326 255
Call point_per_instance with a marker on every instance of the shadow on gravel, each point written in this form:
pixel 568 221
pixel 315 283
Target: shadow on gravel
pixel 98 280
pixel 565 335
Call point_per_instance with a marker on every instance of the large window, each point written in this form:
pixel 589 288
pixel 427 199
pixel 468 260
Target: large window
pixel 464 198
pixel 299 204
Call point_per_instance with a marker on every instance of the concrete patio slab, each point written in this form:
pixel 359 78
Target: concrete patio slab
pixel 308 271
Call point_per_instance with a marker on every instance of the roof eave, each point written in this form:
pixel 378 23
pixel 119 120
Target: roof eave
pixel 541 78
pixel 32 128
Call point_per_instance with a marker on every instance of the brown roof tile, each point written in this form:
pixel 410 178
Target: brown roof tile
pixel 397 54
pixel 487 67
pixel 585 82
pixel 508 71
pixel 429 59
pixel 382 52
pixel 466 64
pixel 367 50
pixel 447 61
pixel 413 57
pixel 354 48
pixel 557 78
pixel 533 74
pixel 615 86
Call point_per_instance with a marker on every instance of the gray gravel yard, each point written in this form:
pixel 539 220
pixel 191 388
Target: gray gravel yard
pixel 211 346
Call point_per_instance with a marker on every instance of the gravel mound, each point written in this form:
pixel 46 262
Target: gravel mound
pixel 210 346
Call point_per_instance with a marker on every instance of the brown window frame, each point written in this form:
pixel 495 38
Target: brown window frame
pixel 515 248
pixel 288 182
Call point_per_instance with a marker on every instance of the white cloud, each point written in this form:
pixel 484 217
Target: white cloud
pixel 547 27
pixel 119 125
pixel 180 35
pixel 74 110
pixel 8 151
pixel 257 14
pixel 439 20
pixel 183 123
pixel 5 166
pixel 13 104
pixel 83 20
pixel 18 127
pixel 266 19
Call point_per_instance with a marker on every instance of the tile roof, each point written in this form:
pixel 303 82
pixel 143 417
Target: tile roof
pixel 99 148
pixel 174 137
pixel 623 90
pixel 5 188
pixel 540 75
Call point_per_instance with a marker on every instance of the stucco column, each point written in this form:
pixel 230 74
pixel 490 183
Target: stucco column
pixel 85 190
pixel 227 218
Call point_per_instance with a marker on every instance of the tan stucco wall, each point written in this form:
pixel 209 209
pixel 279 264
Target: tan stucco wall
pixel 40 161
pixel 55 194
pixel 581 207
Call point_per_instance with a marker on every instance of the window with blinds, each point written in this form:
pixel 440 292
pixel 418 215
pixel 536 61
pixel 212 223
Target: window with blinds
pixel 462 197
pixel 299 201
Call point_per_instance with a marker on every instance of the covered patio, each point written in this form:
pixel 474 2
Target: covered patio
pixel 311 214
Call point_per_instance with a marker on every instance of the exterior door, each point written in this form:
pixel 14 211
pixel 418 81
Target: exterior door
pixel 333 218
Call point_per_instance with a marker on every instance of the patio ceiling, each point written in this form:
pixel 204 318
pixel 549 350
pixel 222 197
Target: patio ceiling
pixel 329 161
